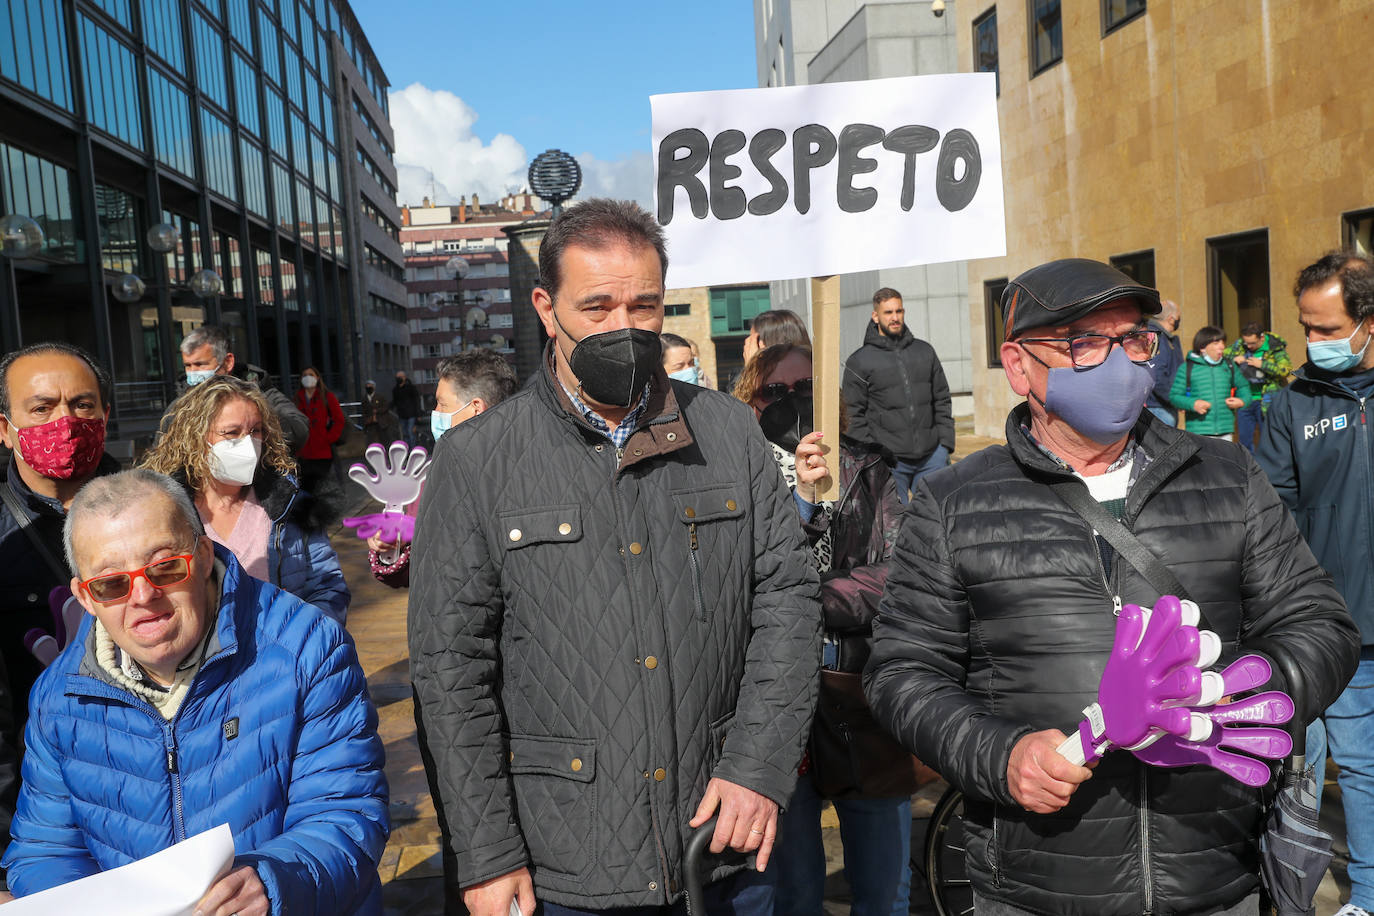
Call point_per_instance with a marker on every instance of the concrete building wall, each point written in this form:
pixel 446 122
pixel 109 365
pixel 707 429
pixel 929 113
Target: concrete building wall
pixel 828 41
pixel 1189 123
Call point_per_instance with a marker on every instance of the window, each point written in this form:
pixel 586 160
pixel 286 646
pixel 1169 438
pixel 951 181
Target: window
pixel 241 23
pixel 217 137
pixel 117 213
pixel 1357 231
pixel 210 61
pixel 994 319
pixel 118 10
pixel 162 31
pixel 1046 37
pixel 276 121
pixel 985 45
pixel 33 48
pixel 1116 13
pixel 1238 281
pixel 171 110
pixel 254 182
pixel 267 42
pixel 111 85
pixel 676 309
pixel 1139 266
pixel 246 94
pixel 733 310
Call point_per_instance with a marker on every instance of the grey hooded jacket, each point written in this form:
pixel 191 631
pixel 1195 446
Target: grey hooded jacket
pixel 594 636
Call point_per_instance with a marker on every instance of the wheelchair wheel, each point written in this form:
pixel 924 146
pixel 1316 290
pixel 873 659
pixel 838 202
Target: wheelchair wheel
pixel 945 869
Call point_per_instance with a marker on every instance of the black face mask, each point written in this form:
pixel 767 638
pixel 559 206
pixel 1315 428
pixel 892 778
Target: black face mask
pixel 370 389
pixel 788 420
pixel 613 367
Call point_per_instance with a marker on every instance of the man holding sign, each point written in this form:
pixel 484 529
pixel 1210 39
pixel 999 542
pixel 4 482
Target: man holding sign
pixel 1001 604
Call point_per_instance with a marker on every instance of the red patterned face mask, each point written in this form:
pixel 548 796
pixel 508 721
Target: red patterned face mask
pixel 65 448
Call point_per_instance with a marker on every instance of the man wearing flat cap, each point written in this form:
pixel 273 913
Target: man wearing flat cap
pixel 1001 608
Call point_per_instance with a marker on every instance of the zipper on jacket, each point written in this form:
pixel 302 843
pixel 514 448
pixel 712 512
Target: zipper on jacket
pixel 276 538
pixel 174 771
pixel 693 545
pixel 1145 840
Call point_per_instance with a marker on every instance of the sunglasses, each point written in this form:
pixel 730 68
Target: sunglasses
pixel 775 390
pixel 160 574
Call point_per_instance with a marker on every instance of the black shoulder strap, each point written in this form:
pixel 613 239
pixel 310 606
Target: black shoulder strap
pixel 25 523
pixel 1076 496
pixel 1187 377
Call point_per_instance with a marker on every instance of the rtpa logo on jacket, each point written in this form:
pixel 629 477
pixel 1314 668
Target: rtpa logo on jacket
pixel 1324 425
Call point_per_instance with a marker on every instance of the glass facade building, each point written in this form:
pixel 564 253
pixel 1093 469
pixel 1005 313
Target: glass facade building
pixel 240 122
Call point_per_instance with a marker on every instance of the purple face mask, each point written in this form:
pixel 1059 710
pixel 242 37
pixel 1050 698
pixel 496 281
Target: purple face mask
pixel 1103 402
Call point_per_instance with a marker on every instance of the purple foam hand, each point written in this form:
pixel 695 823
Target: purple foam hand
pixel 389 526
pixel 1239 726
pixel 1151 671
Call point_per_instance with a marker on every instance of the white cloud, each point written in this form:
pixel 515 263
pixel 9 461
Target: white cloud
pixel 439 156
pixel 629 178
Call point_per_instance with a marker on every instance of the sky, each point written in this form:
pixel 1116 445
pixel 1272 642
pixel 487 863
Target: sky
pixel 481 87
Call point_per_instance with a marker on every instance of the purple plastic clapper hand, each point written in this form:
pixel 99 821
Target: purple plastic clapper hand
pixel 1152 668
pixel 396 482
pixel 1240 726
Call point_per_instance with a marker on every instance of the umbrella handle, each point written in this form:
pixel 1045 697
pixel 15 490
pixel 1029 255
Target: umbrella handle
pixel 692 887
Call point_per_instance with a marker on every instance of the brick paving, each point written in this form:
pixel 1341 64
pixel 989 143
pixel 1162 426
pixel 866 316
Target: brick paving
pixel 410 866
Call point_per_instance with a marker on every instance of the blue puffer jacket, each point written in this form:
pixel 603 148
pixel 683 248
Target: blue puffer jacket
pixel 276 737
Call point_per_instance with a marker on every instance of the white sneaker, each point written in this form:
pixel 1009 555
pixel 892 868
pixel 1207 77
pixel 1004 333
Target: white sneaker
pixel 1351 909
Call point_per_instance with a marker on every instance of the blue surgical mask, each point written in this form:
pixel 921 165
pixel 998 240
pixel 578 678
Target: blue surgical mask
pixel 195 376
pixel 1103 402
pixel 1336 355
pixel 690 375
pixel 1209 360
pixel 440 423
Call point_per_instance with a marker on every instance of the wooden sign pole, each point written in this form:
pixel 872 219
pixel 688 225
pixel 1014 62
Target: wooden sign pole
pixel 827 375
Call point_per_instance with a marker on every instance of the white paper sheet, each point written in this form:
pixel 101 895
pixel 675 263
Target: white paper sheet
pixel 167 883
pixel 873 203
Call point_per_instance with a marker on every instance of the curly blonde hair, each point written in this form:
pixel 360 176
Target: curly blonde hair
pixel 183 447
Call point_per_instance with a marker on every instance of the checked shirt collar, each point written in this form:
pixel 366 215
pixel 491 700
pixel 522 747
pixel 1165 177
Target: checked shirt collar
pixel 627 426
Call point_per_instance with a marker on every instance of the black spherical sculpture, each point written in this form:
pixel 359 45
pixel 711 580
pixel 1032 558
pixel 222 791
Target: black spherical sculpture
pixel 555 176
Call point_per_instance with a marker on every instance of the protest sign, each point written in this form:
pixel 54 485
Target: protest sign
pixel 803 181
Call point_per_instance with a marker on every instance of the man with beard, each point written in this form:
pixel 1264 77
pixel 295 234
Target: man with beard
pixel 614 625
pixel 897 397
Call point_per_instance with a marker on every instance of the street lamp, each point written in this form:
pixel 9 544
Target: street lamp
pixel 20 236
pixel 456 268
pixel 555 176
pixel 163 238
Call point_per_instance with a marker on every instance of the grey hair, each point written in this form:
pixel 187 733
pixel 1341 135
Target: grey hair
pixel 111 495
pixel 212 334
pixel 1168 308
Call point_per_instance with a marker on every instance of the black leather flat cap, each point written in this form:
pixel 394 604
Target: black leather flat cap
pixel 1066 290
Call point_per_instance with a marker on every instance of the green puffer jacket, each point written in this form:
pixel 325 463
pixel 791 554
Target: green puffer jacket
pixel 1274 369
pixel 1198 380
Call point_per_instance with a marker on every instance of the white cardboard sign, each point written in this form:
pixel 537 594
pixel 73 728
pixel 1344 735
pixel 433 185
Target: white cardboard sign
pixel 805 181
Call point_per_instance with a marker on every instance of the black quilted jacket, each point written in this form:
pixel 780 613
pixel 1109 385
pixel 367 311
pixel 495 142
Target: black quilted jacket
pixel 593 637
pixel 897 397
pixel 997 621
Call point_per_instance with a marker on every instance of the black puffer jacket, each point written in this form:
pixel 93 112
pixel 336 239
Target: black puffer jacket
pixel 594 636
pixel 897 397
pixel 997 621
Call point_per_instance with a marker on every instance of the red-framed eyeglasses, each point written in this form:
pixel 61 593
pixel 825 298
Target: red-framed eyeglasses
pixel 160 574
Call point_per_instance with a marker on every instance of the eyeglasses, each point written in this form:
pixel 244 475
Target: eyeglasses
pixel 775 390
pixel 160 574
pixel 1089 350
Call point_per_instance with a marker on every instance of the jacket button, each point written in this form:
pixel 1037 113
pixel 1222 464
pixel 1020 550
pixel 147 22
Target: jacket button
pixel 516 534
pixel 636 548
pixel 512 756
pixel 638 452
pixel 577 764
pixel 651 663
pixel 33 598
pixel 600 447
pixel 653 885
pixel 660 774
pixel 689 512
pixel 730 504
pixel 646 774
pixel 565 528
pixel 671 437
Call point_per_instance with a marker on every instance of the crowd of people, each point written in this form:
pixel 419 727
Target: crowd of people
pixel 636 610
